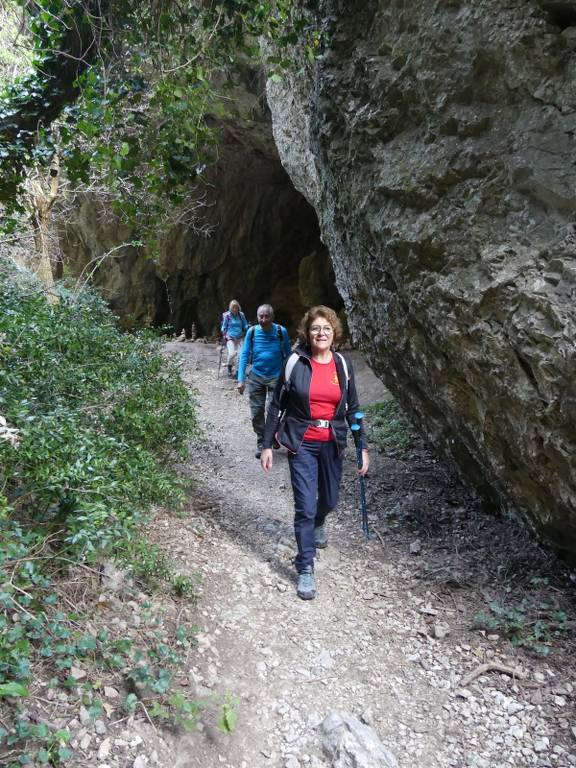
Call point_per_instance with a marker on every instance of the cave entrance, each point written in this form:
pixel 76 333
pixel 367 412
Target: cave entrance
pixel 264 246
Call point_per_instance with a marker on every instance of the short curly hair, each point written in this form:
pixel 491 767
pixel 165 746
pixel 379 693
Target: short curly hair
pixel 319 311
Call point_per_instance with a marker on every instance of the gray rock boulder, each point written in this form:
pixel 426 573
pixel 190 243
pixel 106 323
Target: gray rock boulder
pixel 436 141
pixel 351 744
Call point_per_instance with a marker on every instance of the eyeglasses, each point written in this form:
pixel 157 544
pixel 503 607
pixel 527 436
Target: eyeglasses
pixel 325 329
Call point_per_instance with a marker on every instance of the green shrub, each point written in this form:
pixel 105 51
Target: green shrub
pixel 99 415
pixel 531 623
pixel 91 420
pixel 388 429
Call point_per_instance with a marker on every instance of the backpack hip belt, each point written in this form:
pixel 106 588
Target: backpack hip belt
pixel 322 423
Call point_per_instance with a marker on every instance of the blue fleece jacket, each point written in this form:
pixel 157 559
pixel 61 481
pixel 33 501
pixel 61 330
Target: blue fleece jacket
pixel 233 326
pixel 268 350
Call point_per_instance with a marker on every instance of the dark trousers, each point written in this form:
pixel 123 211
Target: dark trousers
pixel 315 472
pixel 260 393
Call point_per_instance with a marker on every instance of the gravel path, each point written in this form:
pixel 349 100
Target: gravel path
pixel 377 642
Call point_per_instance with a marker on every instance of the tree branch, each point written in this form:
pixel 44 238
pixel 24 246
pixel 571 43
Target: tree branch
pixel 38 99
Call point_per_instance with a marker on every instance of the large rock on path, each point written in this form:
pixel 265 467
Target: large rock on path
pixel 351 744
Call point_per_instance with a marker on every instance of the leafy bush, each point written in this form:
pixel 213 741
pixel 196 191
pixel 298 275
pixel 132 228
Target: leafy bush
pixel 388 429
pixel 532 624
pixel 148 564
pixel 98 416
pixel 90 421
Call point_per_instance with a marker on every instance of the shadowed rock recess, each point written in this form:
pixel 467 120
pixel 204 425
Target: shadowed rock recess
pixel 437 142
pixel 253 237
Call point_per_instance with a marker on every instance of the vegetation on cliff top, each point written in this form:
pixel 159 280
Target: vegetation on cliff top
pixel 124 92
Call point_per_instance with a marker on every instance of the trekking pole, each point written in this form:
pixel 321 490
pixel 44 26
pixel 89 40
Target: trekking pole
pixel 356 432
pixel 220 358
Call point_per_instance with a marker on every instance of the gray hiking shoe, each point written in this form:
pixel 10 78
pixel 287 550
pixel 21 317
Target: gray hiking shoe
pixel 306 584
pixel 320 537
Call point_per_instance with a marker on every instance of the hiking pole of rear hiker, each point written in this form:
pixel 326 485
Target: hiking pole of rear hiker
pixel 356 432
pixel 220 358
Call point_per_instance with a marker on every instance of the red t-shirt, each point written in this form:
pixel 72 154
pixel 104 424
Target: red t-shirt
pixel 324 398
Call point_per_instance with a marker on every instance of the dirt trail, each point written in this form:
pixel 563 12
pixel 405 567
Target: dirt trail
pixel 385 639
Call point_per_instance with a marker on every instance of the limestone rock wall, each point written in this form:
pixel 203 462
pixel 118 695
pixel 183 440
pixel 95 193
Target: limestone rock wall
pixel 437 141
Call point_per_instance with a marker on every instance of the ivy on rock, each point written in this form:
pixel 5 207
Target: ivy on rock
pixel 124 92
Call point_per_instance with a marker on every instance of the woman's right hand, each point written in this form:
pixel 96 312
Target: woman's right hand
pixel 266 459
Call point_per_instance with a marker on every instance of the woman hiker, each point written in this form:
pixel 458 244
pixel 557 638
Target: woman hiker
pixel 233 328
pixel 314 402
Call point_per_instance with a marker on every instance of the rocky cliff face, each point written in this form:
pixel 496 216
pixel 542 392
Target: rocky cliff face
pixel 261 240
pixel 437 142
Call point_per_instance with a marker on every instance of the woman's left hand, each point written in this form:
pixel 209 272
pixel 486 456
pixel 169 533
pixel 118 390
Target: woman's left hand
pixel 365 463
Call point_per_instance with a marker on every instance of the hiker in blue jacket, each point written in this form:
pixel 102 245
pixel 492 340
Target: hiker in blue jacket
pixel 266 347
pixel 314 403
pixel 234 326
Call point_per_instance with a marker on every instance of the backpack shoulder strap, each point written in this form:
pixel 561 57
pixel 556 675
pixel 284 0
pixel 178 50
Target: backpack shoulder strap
pixel 345 366
pixel 280 336
pixel 290 363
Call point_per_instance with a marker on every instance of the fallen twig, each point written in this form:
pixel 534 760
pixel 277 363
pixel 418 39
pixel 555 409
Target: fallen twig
pixel 380 537
pixel 147 715
pixel 493 667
